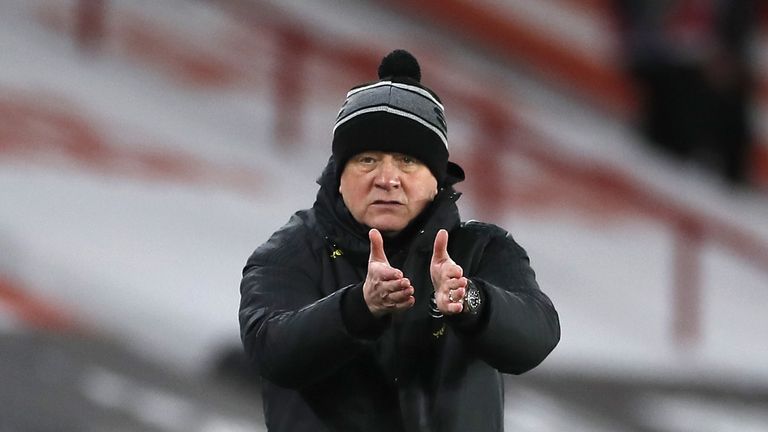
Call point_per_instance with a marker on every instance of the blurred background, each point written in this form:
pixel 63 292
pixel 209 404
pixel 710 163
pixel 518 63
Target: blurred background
pixel 148 146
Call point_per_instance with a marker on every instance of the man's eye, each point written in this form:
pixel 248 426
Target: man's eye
pixel 366 160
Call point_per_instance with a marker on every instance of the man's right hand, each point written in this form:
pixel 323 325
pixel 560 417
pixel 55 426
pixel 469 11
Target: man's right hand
pixel 385 289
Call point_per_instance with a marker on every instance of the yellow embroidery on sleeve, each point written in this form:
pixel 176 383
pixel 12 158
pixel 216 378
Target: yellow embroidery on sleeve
pixel 440 332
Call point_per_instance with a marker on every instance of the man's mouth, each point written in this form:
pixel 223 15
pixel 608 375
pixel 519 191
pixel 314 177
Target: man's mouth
pixel 386 202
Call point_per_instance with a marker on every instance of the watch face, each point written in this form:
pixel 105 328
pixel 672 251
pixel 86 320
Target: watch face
pixel 472 300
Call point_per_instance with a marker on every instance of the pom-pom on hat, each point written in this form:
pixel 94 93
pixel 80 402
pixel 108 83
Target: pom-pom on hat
pixel 395 114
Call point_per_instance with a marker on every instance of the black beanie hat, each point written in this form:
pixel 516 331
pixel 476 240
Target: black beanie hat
pixel 395 114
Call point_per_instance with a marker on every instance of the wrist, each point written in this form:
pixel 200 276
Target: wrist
pixel 434 311
pixel 473 316
pixel 473 299
pixel 357 316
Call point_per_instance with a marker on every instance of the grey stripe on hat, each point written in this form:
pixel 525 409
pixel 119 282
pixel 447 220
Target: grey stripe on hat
pixel 393 110
pixel 396 98
pixel 409 87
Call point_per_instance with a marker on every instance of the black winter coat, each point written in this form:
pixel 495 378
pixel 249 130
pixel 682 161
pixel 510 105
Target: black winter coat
pixel 328 365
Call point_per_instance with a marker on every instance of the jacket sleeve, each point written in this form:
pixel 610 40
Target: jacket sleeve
pixel 520 326
pixel 292 335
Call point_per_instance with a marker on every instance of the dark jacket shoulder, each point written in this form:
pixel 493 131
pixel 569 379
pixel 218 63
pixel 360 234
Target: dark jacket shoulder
pixel 292 244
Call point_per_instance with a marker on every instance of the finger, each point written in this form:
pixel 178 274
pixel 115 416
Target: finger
pixel 386 287
pixel 446 306
pixel 454 308
pixel 381 271
pixel 401 296
pixel 377 247
pixel 456 295
pixel 398 298
pixel 408 303
pixel 453 272
pixel 404 303
pixel 454 284
pixel 440 251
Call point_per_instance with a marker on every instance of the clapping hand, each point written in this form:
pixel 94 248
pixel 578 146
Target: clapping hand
pixel 385 288
pixel 447 277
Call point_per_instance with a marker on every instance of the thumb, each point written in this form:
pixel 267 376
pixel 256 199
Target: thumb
pixel 440 252
pixel 377 247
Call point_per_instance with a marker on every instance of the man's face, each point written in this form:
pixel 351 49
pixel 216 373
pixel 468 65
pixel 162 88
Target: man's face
pixel 386 191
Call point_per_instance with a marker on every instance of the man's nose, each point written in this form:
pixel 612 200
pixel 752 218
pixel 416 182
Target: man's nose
pixel 388 176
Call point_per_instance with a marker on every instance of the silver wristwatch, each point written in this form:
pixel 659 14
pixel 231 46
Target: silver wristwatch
pixel 472 299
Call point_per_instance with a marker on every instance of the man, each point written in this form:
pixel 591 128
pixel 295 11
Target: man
pixel 377 309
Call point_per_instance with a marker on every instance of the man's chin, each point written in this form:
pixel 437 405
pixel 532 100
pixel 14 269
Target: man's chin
pixel 388 229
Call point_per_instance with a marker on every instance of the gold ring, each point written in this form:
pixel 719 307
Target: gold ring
pixel 450 296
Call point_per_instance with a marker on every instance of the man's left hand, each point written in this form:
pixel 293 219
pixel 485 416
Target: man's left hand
pixel 447 277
